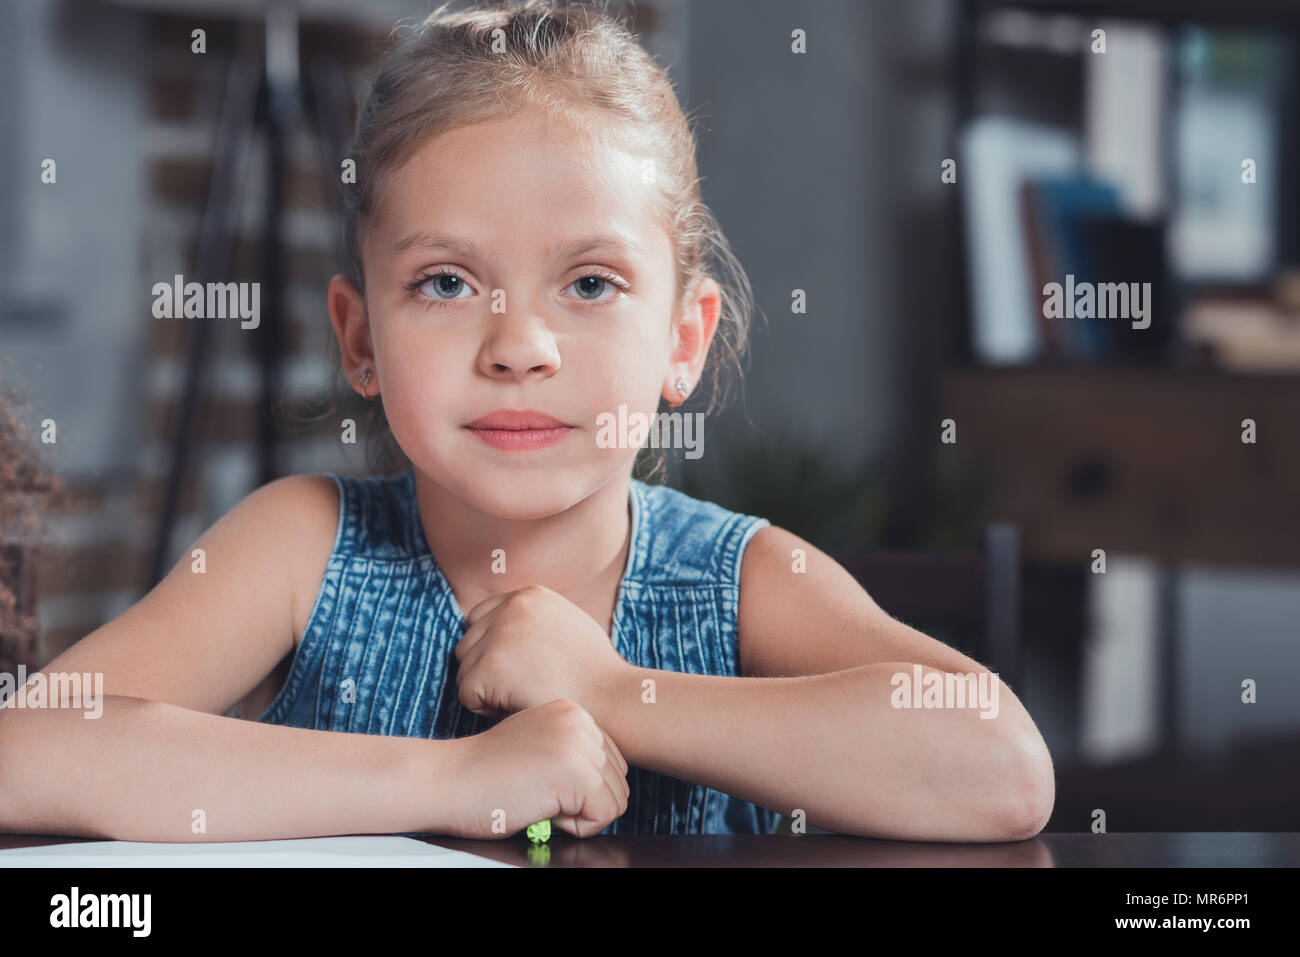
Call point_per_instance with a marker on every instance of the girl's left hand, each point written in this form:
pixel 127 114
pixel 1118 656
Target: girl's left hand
pixel 526 647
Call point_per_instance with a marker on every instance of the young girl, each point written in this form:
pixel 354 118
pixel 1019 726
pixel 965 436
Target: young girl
pixel 516 628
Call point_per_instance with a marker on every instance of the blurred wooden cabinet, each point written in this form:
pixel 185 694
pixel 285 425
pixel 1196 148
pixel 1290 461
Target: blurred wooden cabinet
pixel 1137 461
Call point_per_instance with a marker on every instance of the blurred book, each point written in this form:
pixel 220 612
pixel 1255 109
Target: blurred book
pixel 998 156
pixel 1121 249
pixel 1056 208
pixel 1043 268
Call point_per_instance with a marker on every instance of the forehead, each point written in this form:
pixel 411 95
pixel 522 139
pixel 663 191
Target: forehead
pixel 521 183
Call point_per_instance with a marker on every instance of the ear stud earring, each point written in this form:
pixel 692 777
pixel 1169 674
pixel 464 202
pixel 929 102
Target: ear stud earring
pixel 682 391
pixel 365 382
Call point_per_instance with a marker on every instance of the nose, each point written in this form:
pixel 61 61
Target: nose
pixel 518 346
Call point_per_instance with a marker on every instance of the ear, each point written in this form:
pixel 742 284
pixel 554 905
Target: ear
pixel 692 336
pixel 347 309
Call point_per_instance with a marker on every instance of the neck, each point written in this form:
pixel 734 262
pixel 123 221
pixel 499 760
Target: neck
pixel 579 553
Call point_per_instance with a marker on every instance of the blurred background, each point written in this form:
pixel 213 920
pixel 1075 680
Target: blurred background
pixel 1126 499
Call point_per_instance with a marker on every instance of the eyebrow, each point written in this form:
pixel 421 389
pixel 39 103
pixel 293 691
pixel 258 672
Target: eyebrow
pixel 469 250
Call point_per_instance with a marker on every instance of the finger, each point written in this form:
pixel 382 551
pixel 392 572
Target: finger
pixel 573 823
pixel 614 751
pixel 485 606
pixel 468 680
pixel 592 807
pixel 470 659
pixel 470 696
pixel 476 703
pixel 570 825
pixel 600 736
pixel 470 691
pixel 586 823
pixel 468 640
pixel 616 787
pixel 615 784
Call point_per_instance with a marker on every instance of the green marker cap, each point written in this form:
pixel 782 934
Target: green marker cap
pixel 540 832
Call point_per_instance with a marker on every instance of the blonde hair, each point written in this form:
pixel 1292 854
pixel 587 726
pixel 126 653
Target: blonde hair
pixel 569 59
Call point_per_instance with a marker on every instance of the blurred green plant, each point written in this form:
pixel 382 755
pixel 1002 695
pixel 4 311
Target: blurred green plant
pixel 960 502
pixel 788 480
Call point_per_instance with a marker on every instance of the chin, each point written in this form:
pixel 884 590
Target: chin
pixel 524 494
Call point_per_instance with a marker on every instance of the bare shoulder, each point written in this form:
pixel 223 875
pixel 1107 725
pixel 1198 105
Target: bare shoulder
pixel 302 510
pixel 301 496
pixel 787 588
pixel 225 614
pixel 780 569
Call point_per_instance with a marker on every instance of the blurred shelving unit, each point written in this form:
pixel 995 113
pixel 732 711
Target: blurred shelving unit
pixel 1130 446
pixel 1140 453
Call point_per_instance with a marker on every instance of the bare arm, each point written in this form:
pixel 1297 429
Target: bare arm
pixel 834 746
pixel 814 724
pixel 172 665
pixel 151 771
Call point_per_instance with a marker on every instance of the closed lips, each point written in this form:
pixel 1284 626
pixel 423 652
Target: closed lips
pixel 509 420
pixel 511 430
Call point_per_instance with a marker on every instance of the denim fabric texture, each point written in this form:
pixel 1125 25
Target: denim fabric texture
pixel 376 656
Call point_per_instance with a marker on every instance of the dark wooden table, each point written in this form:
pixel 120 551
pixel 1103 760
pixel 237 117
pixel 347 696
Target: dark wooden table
pixel 1202 849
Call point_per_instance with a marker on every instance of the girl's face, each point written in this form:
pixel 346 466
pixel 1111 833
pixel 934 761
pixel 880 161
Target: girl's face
pixel 515 266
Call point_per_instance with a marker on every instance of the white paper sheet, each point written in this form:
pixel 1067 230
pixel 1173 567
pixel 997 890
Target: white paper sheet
pixel 355 851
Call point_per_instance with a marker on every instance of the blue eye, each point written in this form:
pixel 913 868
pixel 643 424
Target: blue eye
pixel 584 286
pixel 591 286
pixel 442 285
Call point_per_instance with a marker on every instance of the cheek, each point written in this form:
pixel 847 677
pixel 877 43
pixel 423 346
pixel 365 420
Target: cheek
pixel 630 366
pixel 413 372
pixel 418 379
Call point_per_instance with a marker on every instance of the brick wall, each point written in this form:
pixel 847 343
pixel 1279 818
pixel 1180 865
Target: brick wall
pixel 94 561
pixel 100 530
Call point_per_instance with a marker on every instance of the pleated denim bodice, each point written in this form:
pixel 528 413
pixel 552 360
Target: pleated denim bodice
pixel 376 656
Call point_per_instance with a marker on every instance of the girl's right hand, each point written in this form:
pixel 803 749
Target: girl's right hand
pixel 550 761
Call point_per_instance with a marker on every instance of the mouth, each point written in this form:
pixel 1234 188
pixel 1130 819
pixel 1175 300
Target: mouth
pixel 513 430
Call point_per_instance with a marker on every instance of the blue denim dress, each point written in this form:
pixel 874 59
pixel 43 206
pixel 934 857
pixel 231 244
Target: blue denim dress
pixel 377 653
